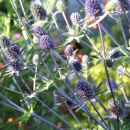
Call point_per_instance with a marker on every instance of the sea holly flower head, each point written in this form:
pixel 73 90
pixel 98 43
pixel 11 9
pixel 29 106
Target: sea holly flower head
pixel 93 8
pixel 76 64
pixel 69 50
pixel 60 5
pixel 37 11
pixel 59 97
pixel 46 43
pixel 76 19
pixel 113 84
pixel 14 68
pixel 123 6
pixel 84 90
pixel 116 109
pixel 4 41
pixel 38 31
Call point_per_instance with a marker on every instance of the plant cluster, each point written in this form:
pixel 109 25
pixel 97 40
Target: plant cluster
pixel 48 75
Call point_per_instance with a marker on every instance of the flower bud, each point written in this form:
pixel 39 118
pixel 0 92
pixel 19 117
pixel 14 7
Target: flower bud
pixel 60 5
pixel 85 59
pixel 109 63
pixel 59 97
pixel 46 43
pixel 38 12
pixel 4 41
pixel 93 8
pixel 123 6
pixel 115 108
pixel 36 59
pixel 77 65
pixel 84 90
pixel 12 52
pixel 75 19
pixel 113 84
pixel 69 50
pixel 39 31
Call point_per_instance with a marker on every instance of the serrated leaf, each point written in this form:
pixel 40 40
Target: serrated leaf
pixel 99 61
pixel 43 88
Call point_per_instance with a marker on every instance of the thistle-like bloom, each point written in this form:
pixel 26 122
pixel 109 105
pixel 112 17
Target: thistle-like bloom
pixel 93 8
pixel 123 6
pixel 120 70
pixel 38 12
pixel 46 43
pixel 76 19
pixel 77 65
pixel 113 84
pixel 69 50
pixel 84 90
pixel 36 59
pixel 115 109
pixel 85 59
pixel 14 68
pixel 4 41
pixel 60 5
pixel 59 97
pixel 111 6
pixel 117 54
pixel 39 31
pixel 12 52
pixel 109 63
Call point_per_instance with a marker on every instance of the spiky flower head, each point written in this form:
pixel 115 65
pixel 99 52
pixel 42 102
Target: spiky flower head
pixel 76 64
pixel 111 6
pixel 14 67
pixel 37 11
pixel 59 97
pixel 109 63
pixel 69 50
pixel 46 43
pixel 60 5
pixel 93 8
pixel 85 59
pixel 117 54
pixel 36 59
pixel 115 108
pixel 113 84
pixel 39 31
pixel 12 52
pixel 120 70
pixel 84 90
pixel 4 41
pixel 76 19
pixel 123 6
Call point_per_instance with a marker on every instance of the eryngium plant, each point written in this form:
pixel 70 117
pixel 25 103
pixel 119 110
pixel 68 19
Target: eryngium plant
pixel 115 109
pixel 64 61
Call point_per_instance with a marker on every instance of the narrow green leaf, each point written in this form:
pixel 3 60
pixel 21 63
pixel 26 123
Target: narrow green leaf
pixel 23 118
pixel 99 61
pixel 126 58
